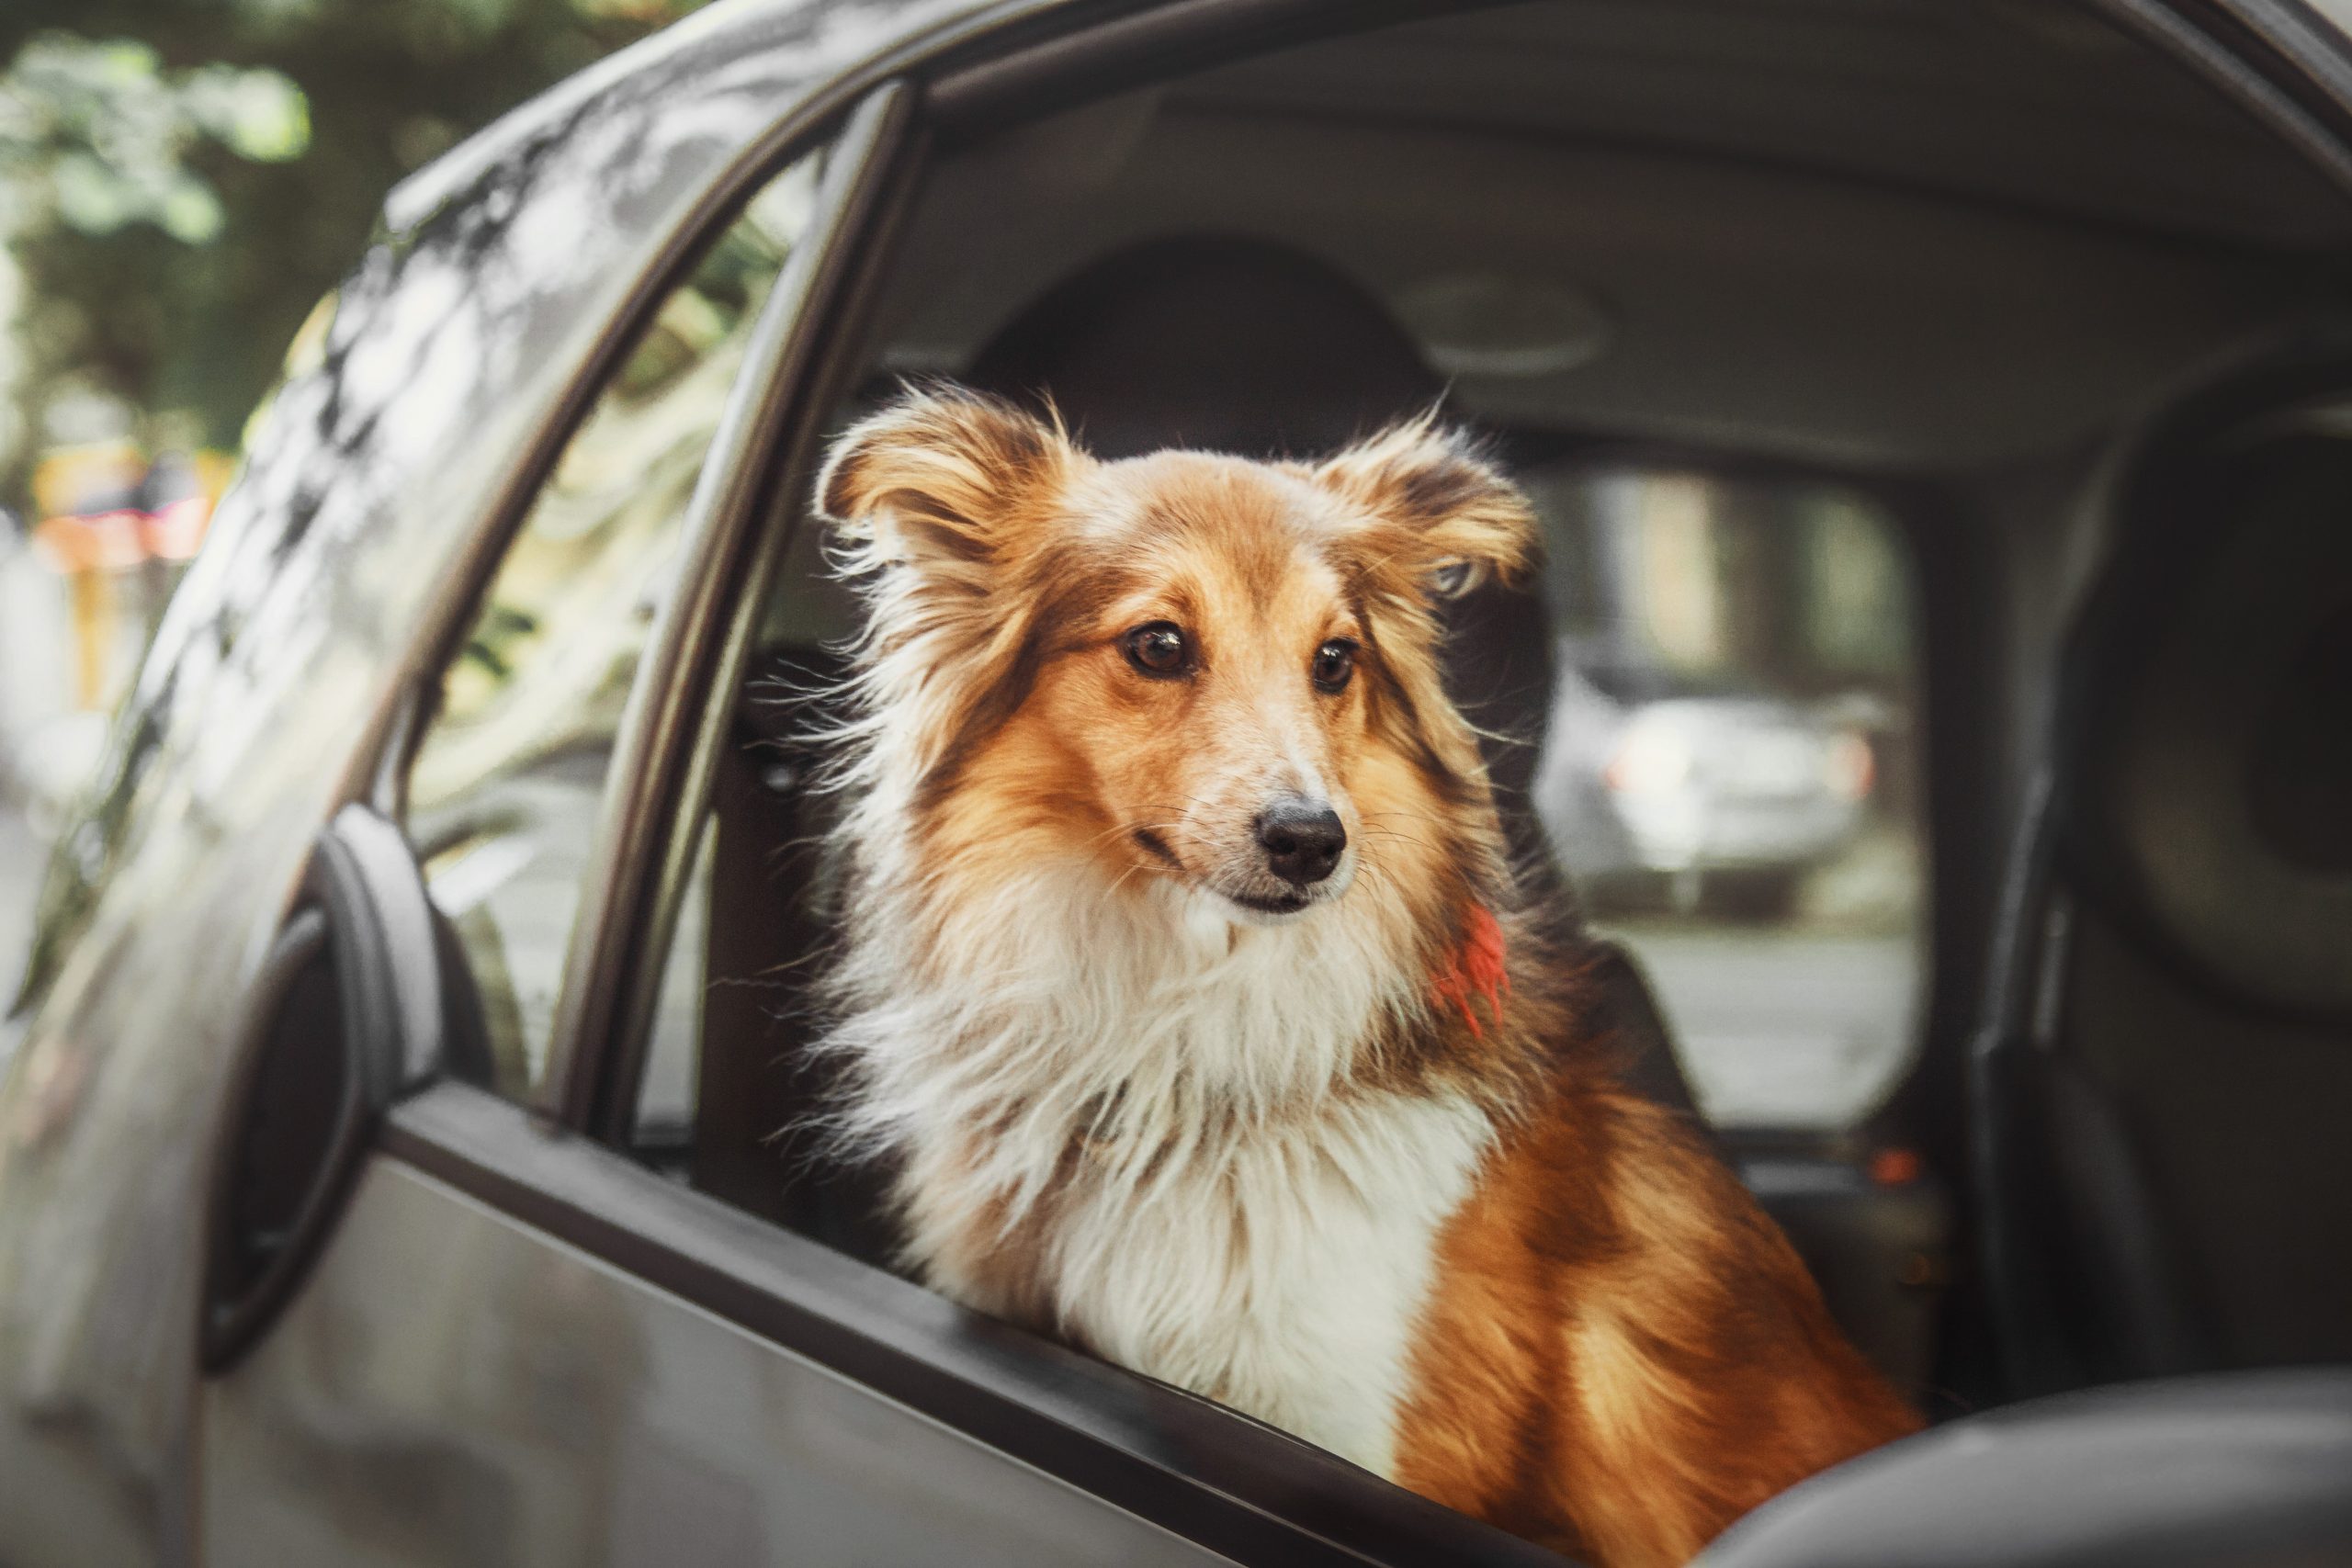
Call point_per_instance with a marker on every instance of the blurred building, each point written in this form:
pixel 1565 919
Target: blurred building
pixel 82 581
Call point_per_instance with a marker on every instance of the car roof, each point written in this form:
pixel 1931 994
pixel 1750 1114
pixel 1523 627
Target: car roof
pixel 1991 102
pixel 2016 107
pixel 834 35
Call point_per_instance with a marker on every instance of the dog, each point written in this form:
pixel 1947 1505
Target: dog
pixel 1183 979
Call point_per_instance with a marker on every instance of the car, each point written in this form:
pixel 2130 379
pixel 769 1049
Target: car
pixel 1709 744
pixel 1722 795
pixel 405 1150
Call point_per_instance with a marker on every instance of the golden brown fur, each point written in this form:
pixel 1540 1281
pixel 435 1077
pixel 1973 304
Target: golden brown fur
pixel 1613 1348
pixel 1623 1354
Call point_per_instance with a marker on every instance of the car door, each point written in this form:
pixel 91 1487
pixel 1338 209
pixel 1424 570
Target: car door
pixel 487 1337
pixel 450 1384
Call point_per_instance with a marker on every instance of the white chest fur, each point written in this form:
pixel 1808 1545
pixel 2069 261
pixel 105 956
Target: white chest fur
pixel 1135 1125
pixel 1286 1280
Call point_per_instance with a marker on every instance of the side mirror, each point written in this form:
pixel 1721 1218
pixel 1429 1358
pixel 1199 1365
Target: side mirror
pixel 350 1012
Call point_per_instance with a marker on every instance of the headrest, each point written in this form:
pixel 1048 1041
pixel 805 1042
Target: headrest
pixel 1222 343
pixel 2206 719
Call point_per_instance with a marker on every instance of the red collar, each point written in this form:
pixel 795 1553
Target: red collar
pixel 1474 968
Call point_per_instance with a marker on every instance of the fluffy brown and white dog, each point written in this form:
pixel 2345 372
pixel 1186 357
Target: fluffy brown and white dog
pixel 1186 978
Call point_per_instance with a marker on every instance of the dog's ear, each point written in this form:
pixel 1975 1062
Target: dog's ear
pixel 943 477
pixel 1434 508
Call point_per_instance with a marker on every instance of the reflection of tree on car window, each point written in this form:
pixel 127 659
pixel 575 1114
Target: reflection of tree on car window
pixel 503 791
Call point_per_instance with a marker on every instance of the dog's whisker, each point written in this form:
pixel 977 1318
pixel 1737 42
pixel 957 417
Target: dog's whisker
pixel 1127 829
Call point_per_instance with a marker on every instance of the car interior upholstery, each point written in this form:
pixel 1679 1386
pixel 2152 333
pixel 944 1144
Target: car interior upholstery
pixel 2175 1047
pixel 1976 249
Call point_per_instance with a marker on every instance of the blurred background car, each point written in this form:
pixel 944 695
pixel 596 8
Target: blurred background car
pixel 1731 668
pixel 1704 798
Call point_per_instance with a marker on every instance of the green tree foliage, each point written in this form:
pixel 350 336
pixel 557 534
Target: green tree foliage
pixel 180 180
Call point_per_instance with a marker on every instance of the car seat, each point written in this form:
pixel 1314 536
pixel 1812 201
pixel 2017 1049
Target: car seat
pixel 2161 1082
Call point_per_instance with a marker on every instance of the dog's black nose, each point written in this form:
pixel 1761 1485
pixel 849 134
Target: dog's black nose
pixel 1303 841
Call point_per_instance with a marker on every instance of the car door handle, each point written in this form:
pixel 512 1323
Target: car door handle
pixel 347 1015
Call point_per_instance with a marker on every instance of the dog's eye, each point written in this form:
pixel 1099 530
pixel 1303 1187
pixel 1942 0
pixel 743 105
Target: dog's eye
pixel 1334 662
pixel 1157 649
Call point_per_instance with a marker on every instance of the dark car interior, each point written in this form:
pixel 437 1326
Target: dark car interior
pixel 2168 1196
pixel 2072 316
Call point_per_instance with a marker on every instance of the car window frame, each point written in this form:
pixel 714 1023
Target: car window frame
pixel 739 522
pixel 715 522
pixel 1205 1473
pixel 963 94
pixel 1187 1464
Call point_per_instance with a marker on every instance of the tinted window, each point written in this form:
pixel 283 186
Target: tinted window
pixel 504 790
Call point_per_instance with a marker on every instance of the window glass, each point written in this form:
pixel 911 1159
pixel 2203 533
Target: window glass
pixel 1730 772
pixel 503 791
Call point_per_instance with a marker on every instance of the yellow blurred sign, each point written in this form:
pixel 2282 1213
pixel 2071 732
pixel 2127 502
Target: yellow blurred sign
pixel 104 507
